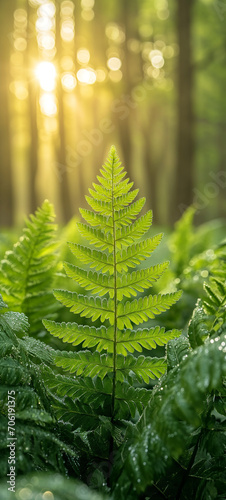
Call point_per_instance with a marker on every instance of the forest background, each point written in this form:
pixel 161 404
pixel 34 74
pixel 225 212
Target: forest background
pixel 77 76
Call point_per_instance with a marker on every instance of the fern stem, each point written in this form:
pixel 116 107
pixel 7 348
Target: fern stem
pixel 111 444
pixel 115 302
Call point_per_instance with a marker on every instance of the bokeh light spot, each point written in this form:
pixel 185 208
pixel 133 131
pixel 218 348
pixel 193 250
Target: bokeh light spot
pixel 48 495
pixel 25 494
pixel 67 30
pixel 86 76
pixel 46 75
pixel 48 104
pixel 20 16
pixel 83 56
pixel 47 9
pixel 46 41
pixel 20 44
pixel 67 9
pixel 87 4
pixel 156 58
pixel 44 24
pixel 68 81
pixel 114 63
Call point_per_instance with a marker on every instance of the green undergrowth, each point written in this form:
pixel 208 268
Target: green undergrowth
pixel 118 377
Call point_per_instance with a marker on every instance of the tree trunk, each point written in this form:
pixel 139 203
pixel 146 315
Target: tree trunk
pixel 132 74
pixel 184 180
pixel 6 187
pixel 32 113
pixel 65 198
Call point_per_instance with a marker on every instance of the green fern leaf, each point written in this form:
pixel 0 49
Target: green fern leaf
pixel 103 338
pixel 98 283
pixel 94 258
pixel 114 231
pixel 75 334
pixel 127 234
pixel 142 309
pixel 79 415
pixel 97 392
pixel 142 367
pixel 85 363
pixel 96 237
pixel 138 281
pixel 131 341
pixel 97 220
pixel 126 215
pixel 89 307
pixel 91 364
pixel 177 350
pixel 134 254
pixel 197 328
pixel 27 272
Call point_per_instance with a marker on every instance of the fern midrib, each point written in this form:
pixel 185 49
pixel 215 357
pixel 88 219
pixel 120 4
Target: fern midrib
pixel 115 300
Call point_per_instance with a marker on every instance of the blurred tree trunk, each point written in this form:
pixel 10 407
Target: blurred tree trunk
pixel 150 170
pixel 64 191
pixel 184 180
pixel 32 113
pixel 6 186
pixel 220 177
pixel 132 75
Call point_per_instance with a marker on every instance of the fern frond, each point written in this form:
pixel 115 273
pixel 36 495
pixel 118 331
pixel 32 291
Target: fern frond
pixel 96 236
pixel 97 220
pixel 126 215
pixel 91 364
pixel 127 234
pixel 140 310
pixel 134 254
pixel 149 338
pixel 103 338
pixel 94 258
pixel 177 350
pixel 144 368
pixel 85 363
pixel 37 445
pixel 12 373
pixel 175 412
pixel 114 230
pixel 79 415
pixel 129 284
pixel 125 200
pixel 89 307
pixel 28 271
pixel 76 334
pixel 96 393
pixel 197 328
pixel 98 283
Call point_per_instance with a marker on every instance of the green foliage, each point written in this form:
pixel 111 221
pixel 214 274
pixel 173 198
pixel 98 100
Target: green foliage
pixel 174 449
pixel 27 272
pixel 39 442
pixel 102 409
pixel 115 231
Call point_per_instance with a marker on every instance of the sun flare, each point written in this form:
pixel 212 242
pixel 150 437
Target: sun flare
pixel 46 74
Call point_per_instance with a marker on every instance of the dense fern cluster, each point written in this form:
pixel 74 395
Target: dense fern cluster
pixel 102 409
